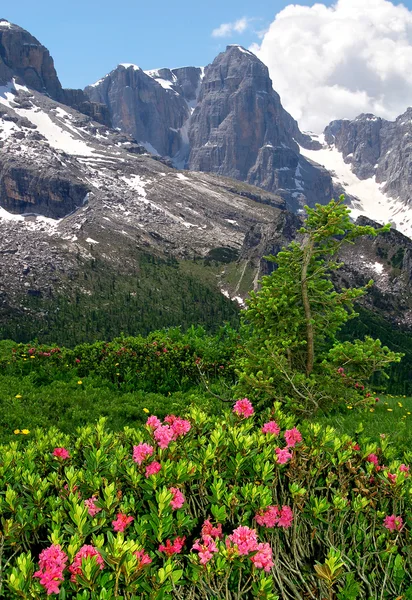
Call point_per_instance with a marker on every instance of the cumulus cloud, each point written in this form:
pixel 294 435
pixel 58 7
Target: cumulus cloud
pixel 228 29
pixel 337 62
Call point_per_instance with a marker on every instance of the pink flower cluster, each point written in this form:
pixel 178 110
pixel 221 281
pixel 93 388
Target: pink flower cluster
pixel 61 453
pixel 173 548
pixel 164 434
pixel 84 552
pixel 245 541
pixel 52 562
pixel 178 499
pixel 283 455
pixel 404 468
pixel 206 546
pixel 143 559
pixel 91 506
pixel 121 522
pixel 292 437
pixel 372 458
pixel 263 557
pixel 152 468
pixel 214 532
pixel 179 426
pixel 393 523
pixel 243 408
pixel 141 452
pixel 271 427
pixel 272 515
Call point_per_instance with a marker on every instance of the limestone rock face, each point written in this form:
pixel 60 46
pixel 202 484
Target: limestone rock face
pixel 23 57
pixel 224 119
pixel 239 128
pixel 379 149
pixel 144 106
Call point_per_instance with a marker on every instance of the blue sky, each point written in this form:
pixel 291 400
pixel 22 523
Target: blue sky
pixel 87 38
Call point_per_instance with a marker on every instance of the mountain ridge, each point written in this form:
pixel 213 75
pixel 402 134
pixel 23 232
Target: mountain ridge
pixel 82 204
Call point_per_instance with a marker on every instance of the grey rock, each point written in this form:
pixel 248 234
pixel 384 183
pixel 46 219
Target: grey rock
pixel 140 106
pixel 22 56
pixel 240 129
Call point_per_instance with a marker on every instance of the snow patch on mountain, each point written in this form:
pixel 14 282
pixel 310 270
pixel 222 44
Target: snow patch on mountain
pixel 370 200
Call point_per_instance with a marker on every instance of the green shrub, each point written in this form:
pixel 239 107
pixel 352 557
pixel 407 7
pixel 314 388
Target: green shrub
pixel 332 521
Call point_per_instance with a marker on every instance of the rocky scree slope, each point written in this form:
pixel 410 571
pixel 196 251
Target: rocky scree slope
pixel 73 191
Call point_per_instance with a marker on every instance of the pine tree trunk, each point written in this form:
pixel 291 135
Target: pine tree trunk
pixel 310 337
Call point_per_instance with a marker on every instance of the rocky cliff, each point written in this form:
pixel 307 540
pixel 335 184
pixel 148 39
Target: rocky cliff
pixel 74 192
pixel 225 119
pixel 25 59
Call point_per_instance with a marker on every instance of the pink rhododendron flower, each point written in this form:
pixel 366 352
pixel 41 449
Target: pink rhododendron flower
pixel 355 447
pixel 214 532
pixel 404 468
pixel 180 427
pixel 268 517
pixel 372 458
pixel 121 522
pixel 245 539
pixel 393 523
pixel 271 427
pixel 153 422
pixel 243 408
pixel 141 452
pixel 263 557
pixel 286 517
pixel 292 437
pixel 174 548
pixel 206 548
pixel 61 453
pixel 91 506
pixel 283 455
pixel 392 477
pixel 143 559
pixel 85 551
pixel 163 436
pixel 52 562
pixel 152 468
pixel 177 500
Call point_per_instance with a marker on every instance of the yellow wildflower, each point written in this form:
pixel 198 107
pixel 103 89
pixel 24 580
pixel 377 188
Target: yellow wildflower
pixel 79 382
pixel 18 396
pixel 349 407
pixel 25 431
pixel 146 410
pixel 389 409
pixel 32 357
pixel 16 431
pixel 400 404
pixel 371 410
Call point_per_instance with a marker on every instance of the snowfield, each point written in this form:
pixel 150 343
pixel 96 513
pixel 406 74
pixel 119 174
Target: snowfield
pixel 371 201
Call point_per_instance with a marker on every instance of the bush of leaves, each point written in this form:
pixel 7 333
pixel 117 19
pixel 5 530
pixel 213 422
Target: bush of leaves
pixel 236 506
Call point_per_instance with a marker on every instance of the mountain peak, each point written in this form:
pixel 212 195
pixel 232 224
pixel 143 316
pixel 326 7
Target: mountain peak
pixel 241 49
pixel 35 69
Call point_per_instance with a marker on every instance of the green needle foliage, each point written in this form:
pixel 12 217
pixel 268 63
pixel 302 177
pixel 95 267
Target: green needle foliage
pixel 291 323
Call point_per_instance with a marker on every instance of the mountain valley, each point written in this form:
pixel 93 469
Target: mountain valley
pixel 151 195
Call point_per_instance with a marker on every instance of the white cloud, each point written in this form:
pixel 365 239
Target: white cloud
pixel 335 62
pixel 227 29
